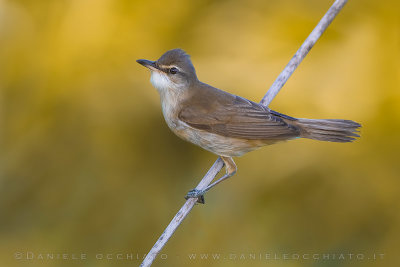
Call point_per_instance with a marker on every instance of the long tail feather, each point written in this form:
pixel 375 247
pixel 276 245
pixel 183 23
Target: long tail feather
pixel 328 130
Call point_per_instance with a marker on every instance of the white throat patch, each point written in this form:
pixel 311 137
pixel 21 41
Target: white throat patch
pixel 160 81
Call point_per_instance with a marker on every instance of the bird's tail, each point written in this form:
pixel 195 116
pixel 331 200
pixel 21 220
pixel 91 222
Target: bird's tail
pixel 328 130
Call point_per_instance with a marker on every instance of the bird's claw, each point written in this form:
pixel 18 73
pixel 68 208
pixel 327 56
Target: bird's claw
pixel 195 193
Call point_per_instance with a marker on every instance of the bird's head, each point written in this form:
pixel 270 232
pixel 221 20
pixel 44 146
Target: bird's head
pixel 173 70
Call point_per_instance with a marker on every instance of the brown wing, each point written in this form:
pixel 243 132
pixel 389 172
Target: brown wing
pixel 228 115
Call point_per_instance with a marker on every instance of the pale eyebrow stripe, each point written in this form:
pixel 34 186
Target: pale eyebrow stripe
pixel 168 66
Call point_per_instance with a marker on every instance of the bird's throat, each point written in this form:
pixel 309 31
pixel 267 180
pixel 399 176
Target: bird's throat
pixel 161 81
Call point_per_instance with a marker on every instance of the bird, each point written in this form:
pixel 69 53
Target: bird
pixel 226 124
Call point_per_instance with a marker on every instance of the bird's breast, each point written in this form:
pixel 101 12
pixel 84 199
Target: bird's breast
pixel 170 107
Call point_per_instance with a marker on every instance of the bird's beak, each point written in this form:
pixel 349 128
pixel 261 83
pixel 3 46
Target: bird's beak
pixel 148 64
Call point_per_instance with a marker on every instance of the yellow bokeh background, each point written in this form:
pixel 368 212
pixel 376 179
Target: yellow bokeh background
pixel 88 165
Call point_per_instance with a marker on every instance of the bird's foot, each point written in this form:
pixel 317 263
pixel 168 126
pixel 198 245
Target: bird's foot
pixel 195 193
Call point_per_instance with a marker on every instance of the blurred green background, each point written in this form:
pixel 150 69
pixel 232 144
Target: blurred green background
pixel 88 165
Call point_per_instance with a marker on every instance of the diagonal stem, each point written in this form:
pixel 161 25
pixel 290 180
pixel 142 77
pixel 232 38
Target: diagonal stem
pixel 269 96
pixel 182 213
pixel 302 52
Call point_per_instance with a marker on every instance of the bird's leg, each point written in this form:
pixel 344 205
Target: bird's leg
pixel 230 168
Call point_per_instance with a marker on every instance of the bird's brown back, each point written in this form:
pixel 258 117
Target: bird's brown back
pixel 216 111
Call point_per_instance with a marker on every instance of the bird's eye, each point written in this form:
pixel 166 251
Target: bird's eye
pixel 173 70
